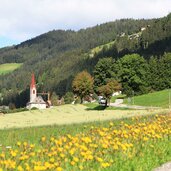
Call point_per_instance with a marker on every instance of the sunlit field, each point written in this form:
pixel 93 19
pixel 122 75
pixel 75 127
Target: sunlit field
pixel 6 68
pixel 155 99
pixel 67 114
pixel 138 143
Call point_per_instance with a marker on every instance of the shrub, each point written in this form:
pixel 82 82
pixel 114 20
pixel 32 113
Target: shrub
pixel 34 108
pixel 69 98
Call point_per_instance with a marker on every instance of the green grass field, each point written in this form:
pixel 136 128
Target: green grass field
pixel 32 134
pixel 8 67
pixel 85 137
pixel 75 147
pixel 156 99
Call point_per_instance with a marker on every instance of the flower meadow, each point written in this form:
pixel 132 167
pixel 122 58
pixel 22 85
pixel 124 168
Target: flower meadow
pixel 140 145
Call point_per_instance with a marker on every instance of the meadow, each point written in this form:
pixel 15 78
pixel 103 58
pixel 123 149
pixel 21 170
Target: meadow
pixel 68 114
pixel 138 143
pixel 155 99
pixel 7 68
pixel 98 49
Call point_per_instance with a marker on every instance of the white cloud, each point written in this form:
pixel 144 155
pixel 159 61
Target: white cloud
pixel 23 19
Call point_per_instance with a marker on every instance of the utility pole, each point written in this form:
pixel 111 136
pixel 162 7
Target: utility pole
pixel 169 98
pixel 133 97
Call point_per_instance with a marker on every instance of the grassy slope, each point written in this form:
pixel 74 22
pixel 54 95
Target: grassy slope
pixel 6 68
pixel 100 48
pixel 158 99
pixel 107 45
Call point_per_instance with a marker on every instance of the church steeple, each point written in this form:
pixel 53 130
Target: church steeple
pixel 32 81
pixel 35 101
pixel 33 91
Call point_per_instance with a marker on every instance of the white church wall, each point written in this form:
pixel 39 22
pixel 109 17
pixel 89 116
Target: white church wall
pixel 34 105
pixel 33 94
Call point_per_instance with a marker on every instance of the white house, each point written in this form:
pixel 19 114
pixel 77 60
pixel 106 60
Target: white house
pixel 117 93
pixel 35 101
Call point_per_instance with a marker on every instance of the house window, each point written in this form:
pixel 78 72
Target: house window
pixel 33 91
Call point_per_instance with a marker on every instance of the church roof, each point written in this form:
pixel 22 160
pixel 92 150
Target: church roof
pixel 38 100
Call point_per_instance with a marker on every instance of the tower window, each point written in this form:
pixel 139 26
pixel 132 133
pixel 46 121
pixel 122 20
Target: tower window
pixel 33 91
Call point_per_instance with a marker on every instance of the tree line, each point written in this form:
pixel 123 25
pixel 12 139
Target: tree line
pixel 132 74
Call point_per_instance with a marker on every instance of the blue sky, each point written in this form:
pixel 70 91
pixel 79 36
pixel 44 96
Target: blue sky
pixel 6 41
pixel 24 19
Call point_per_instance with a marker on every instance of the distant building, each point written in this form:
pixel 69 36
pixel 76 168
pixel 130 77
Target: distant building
pixel 143 28
pixel 122 34
pixel 4 107
pixel 35 101
pixel 117 93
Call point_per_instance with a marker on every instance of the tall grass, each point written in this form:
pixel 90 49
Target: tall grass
pixel 139 144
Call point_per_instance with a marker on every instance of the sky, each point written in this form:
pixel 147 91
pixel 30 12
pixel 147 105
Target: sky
pixel 21 20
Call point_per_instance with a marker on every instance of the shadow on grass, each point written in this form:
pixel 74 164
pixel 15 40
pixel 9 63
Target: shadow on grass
pixel 119 108
pixel 99 107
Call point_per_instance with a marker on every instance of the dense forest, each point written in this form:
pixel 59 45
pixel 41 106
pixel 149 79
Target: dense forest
pixel 55 57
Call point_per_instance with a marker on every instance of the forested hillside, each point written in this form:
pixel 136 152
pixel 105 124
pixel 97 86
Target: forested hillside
pixel 55 57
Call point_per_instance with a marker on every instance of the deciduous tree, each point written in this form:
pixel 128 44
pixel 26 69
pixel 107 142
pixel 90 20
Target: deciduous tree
pixel 132 71
pixel 107 90
pixel 83 84
pixel 103 72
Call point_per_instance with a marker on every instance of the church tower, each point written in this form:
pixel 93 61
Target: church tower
pixel 33 91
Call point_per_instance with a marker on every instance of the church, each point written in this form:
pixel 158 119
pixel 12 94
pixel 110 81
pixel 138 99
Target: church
pixel 35 101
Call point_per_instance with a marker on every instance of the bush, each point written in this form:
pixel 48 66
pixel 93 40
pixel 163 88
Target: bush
pixel 121 96
pixel 6 111
pixel 95 96
pixel 54 99
pixel 34 108
pixel 69 98
pixel 77 101
pixel 12 106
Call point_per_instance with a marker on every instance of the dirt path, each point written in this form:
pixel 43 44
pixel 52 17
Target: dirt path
pixel 119 103
pixel 164 167
pixel 66 114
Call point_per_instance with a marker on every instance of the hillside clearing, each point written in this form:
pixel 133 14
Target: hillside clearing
pixel 67 114
pixel 100 48
pixel 8 67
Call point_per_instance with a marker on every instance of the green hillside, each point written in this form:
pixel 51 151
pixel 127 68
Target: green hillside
pixel 9 67
pixel 156 99
pixel 98 49
pixel 57 56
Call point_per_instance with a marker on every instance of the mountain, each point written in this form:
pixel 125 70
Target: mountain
pixel 55 57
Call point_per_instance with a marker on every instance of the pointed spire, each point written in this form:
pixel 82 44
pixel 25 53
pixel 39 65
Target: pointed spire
pixel 32 85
